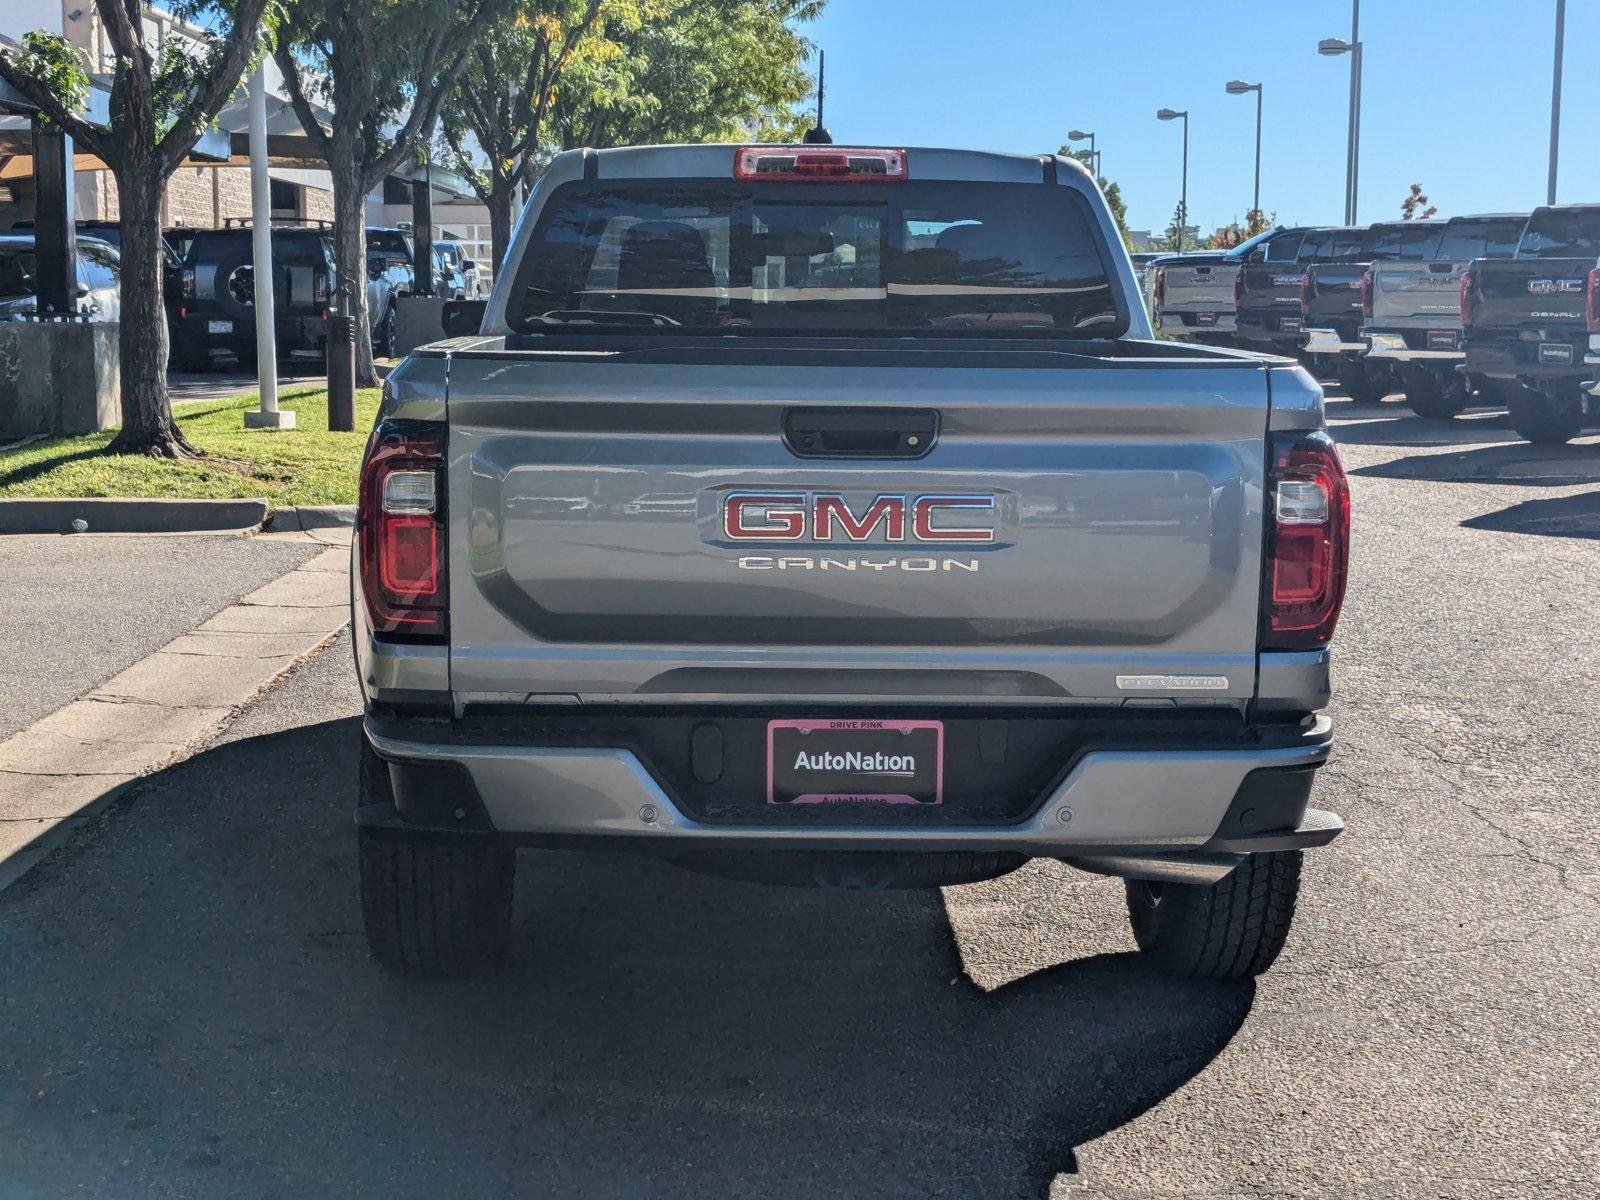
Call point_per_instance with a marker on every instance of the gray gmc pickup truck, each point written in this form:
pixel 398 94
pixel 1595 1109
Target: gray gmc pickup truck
pixel 828 515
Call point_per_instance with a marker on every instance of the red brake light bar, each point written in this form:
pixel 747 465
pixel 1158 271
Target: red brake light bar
pixel 842 164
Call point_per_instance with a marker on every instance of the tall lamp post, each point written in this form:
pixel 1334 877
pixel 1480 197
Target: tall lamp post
pixel 1169 114
pixel 1332 48
pixel 1078 135
pixel 1239 87
pixel 1555 97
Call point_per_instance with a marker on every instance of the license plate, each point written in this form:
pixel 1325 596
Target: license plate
pixel 855 762
pixel 219 326
pixel 1290 324
pixel 1204 319
pixel 1555 352
pixel 1442 339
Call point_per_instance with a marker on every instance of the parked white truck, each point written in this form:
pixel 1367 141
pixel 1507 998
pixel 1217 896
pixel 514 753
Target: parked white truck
pixel 1413 312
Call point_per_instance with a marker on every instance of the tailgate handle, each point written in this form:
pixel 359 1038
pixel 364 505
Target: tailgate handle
pixel 1440 268
pixel 860 432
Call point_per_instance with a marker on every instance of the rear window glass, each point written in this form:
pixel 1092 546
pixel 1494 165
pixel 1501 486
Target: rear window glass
pixel 1403 243
pixel 934 257
pixel 1332 245
pixel 390 244
pixel 300 248
pixel 1285 248
pixel 1465 240
pixel 1562 234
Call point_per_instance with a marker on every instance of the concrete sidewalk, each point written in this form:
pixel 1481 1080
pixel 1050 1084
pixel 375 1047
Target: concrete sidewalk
pixel 58 772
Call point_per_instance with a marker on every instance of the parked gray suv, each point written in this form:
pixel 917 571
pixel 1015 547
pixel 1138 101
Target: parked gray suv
pixel 829 515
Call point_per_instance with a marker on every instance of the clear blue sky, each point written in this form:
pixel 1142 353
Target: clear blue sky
pixel 1456 97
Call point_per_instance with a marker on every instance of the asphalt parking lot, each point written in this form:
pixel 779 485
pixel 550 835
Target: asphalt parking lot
pixel 187 1008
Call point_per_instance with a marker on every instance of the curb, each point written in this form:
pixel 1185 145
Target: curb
pixel 118 515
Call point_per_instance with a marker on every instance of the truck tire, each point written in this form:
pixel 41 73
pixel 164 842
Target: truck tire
pixel 1362 383
pixel 1432 397
pixel 1232 929
pixel 1546 418
pixel 432 908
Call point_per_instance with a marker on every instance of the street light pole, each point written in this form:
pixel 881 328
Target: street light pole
pixel 1355 108
pixel 1239 87
pixel 1332 48
pixel 1555 98
pixel 1168 114
pixel 1078 135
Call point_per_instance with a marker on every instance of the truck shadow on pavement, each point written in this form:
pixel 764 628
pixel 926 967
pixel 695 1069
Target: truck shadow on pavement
pixel 1515 462
pixel 1565 516
pixel 190 1010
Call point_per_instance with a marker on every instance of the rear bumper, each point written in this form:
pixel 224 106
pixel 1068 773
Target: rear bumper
pixel 1178 799
pixel 1559 360
pixel 1181 324
pixel 1393 347
pixel 1331 341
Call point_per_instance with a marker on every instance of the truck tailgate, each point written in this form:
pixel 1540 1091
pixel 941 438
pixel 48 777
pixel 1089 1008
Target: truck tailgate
pixel 1123 503
pixel 1417 294
pixel 1529 293
pixel 1199 287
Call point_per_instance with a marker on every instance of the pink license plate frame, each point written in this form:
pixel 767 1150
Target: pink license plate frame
pixel 845 734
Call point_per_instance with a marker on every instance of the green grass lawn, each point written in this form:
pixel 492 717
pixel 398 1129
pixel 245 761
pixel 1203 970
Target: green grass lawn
pixel 304 465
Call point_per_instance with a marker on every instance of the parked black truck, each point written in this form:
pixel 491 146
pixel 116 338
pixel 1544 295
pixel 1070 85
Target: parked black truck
pixel 1527 322
pixel 1267 291
pixel 1331 309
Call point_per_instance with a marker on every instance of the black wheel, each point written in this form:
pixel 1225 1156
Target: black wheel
pixel 1362 383
pixel 1233 929
pixel 1548 418
pixel 432 908
pixel 383 335
pixel 1431 395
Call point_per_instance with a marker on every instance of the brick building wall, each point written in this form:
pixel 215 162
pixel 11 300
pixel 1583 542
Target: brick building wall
pixel 200 197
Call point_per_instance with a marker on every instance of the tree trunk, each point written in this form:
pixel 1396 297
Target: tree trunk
pixel 501 203
pixel 350 245
pixel 147 424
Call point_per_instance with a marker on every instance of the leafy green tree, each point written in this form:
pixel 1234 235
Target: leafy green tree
pixel 1111 189
pixel 1176 235
pixel 159 105
pixel 511 78
pixel 698 71
pixel 384 68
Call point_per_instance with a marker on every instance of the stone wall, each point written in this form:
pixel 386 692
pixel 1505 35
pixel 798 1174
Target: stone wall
pixel 58 378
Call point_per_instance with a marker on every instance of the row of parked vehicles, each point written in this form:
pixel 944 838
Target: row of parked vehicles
pixel 210 285
pixel 1497 309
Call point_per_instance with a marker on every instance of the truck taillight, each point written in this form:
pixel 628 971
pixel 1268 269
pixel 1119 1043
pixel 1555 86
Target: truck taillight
pixel 1238 288
pixel 186 286
pixel 845 164
pixel 321 289
pixel 400 527
pixel 1305 294
pixel 1161 286
pixel 1308 543
pixel 1366 294
pixel 1466 298
pixel 1591 300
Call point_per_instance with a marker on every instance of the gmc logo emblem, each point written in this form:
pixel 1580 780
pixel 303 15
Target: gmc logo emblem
pixel 1550 287
pixel 939 518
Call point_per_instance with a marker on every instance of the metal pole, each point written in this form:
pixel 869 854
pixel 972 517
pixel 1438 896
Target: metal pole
pixel 1183 199
pixel 342 360
pixel 1350 138
pixel 1255 204
pixel 1355 152
pixel 268 416
pixel 1555 99
pixel 55 237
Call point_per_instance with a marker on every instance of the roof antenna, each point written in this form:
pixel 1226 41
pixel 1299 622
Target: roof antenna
pixel 817 135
